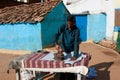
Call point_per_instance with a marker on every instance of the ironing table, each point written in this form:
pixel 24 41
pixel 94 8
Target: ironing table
pixel 44 62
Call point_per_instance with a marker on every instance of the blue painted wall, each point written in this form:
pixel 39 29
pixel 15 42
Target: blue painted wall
pixel 20 36
pixel 81 22
pixel 52 22
pixel 96 27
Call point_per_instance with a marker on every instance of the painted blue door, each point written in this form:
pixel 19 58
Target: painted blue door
pixel 81 22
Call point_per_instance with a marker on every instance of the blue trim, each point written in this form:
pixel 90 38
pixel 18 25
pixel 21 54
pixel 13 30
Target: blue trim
pixel 116 28
pixel 117 8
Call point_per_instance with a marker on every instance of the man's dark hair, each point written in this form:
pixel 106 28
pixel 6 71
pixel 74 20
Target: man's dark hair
pixel 71 18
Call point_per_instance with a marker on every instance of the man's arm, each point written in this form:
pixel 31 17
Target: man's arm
pixel 76 43
pixel 58 33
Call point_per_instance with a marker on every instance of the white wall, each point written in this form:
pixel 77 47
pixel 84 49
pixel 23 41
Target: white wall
pixel 110 11
pixel 117 3
pixel 80 6
pixel 94 7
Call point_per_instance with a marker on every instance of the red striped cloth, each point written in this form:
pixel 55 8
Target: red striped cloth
pixel 34 61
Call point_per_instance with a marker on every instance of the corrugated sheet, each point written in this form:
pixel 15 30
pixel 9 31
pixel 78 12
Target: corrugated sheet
pixel 32 13
pixel 117 17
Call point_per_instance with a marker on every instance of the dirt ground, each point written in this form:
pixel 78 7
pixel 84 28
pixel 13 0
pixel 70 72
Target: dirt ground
pixel 105 60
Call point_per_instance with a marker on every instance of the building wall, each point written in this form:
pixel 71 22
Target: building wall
pixel 92 26
pixel 117 3
pixel 20 36
pixel 96 27
pixel 52 22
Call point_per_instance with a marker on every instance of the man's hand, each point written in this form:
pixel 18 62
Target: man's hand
pixel 73 58
pixel 57 47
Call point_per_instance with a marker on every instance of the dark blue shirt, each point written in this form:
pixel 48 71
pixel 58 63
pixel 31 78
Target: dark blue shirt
pixel 70 39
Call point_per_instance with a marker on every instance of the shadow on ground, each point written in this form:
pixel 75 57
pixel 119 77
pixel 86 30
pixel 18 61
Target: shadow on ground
pixel 103 72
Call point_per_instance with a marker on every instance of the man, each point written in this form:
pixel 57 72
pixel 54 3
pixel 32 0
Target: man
pixel 70 38
pixel 70 43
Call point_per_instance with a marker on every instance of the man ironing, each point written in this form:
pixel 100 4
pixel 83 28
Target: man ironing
pixel 70 38
pixel 70 43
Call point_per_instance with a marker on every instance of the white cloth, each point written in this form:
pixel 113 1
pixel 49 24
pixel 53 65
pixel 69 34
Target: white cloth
pixel 68 61
pixel 49 56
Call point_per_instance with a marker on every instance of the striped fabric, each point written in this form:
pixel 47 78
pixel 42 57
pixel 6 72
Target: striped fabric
pixel 34 61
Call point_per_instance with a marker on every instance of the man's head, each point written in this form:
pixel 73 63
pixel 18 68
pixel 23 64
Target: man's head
pixel 70 21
